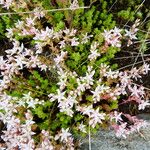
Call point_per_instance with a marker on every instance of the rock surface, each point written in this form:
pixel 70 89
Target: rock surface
pixel 106 140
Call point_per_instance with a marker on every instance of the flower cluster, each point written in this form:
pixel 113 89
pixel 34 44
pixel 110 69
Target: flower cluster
pixel 6 4
pixel 131 34
pixel 122 129
pixel 58 84
pixel 19 135
pixel 112 37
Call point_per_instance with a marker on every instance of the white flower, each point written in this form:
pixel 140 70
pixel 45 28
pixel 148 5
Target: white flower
pixel 66 31
pixel 116 116
pixel 39 48
pixel 38 12
pixel 130 34
pixel 29 123
pixel 46 142
pixel 96 117
pixel 81 86
pixel 71 100
pixel 116 31
pixel 2 2
pixel 74 42
pixel 112 74
pixel 44 35
pixel 21 103
pixel 62 79
pixel 62 74
pixel 27 99
pixel 94 53
pixel 31 103
pixel 7 3
pixel 19 24
pixel 30 21
pixel 112 37
pixel 96 94
pixel 48 32
pixel 143 104
pixel 115 42
pixel 125 79
pixel 98 91
pixel 17 48
pixel 30 145
pixel 121 130
pixel 66 105
pixel 107 35
pixel 64 135
pixel 103 69
pixel 42 67
pixel 68 111
pixel 9 33
pixel 28 115
pixel 135 73
pixel 2 63
pixel 86 38
pixel 88 79
pixel 145 68
pixel 74 4
pixel 59 96
pixel 60 57
pixel 20 61
pixel 73 32
pixel 138 125
pixel 62 83
pixel 82 128
pixel 87 110
pixel 25 32
pixel 27 96
pixel 57 35
pixel 62 44
pixel 135 91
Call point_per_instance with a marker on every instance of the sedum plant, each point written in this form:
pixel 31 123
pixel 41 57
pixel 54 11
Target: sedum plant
pixel 57 82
